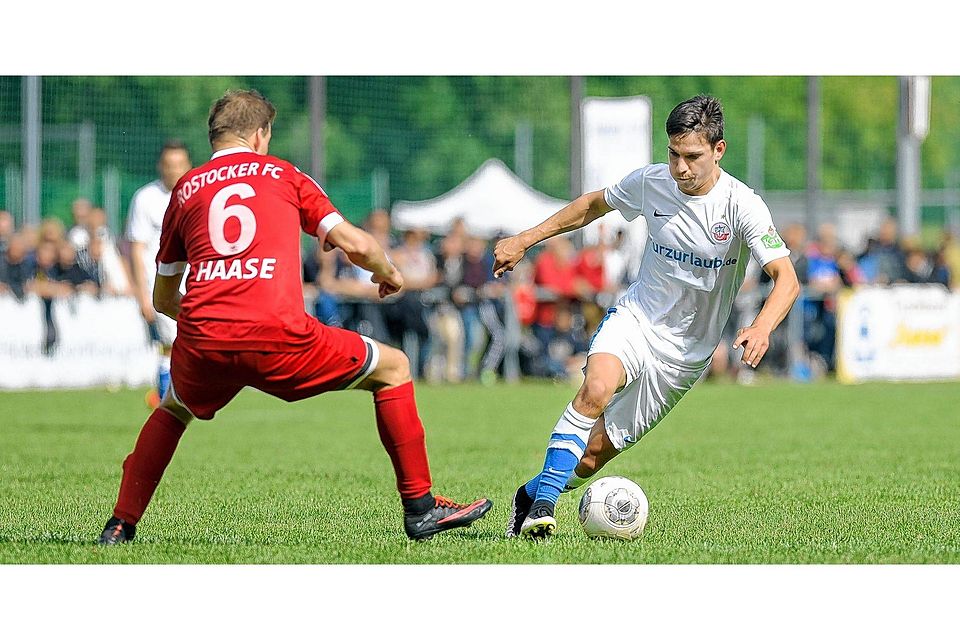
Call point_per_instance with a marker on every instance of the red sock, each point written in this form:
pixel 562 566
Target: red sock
pixel 401 433
pixel 144 467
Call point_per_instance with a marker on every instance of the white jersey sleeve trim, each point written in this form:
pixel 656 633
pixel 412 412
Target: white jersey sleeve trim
pixel 327 223
pixel 171 268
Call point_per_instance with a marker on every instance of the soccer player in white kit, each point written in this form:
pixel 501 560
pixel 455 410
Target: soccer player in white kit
pixel 144 221
pixel 654 344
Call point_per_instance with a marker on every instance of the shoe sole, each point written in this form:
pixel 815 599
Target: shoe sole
pixel 539 529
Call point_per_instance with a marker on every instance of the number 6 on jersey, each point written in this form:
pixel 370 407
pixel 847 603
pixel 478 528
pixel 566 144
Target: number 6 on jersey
pixel 220 213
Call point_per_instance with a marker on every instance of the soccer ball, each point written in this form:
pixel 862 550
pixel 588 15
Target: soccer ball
pixel 613 507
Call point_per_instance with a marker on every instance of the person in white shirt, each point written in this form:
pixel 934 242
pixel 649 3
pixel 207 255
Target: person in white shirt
pixel 144 221
pixel 655 342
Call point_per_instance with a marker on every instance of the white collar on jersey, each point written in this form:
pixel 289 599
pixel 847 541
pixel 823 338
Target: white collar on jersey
pixel 225 152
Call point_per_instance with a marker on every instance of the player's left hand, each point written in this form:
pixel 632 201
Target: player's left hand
pixel 389 284
pixel 755 341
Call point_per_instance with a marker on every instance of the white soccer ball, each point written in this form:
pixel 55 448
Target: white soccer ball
pixel 613 507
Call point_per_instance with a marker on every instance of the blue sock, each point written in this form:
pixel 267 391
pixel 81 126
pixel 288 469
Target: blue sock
pixel 567 443
pixel 531 486
pixel 163 376
pixel 557 467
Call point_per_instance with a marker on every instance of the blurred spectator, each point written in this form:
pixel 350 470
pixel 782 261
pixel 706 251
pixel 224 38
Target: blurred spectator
pixel 940 269
pixel 471 296
pixel 377 224
pixel 588 268
pixel 51 230
pixel 726 361
pixel 6 232
pixel 850 273
pixel 565 353
pixel 407 316
pixel 824 280
pixel 78 235
pixel 69 272
pixel 917 267
pixel 449 327
pixel 46 285
pixel 883 261
pixel 948 258
pixel 554 275
pixel 98 254
pixel 361 309
pixel 795 237
pixel 319 301
pixel 19 267
pixel 31 237
pixel 615 262
pixel 107 268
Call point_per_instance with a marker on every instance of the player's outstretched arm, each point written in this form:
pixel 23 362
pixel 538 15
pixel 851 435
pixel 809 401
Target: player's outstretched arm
pixel 575 215
pixel 363 250
pixel 755 339
pixel 166 295
pixel 140 286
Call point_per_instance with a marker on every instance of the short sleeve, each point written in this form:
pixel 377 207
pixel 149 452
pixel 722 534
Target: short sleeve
pixel 317 214
pixel 627 195
pixel 755 226
pixel 172 257
pixel 139 228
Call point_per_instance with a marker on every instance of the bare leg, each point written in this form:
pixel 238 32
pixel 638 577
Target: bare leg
pixel 598 453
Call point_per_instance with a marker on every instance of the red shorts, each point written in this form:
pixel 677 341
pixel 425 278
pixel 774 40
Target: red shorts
pixel 205 380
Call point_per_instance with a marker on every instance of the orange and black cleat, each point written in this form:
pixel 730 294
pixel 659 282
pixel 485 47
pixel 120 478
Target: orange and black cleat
pixel 445 514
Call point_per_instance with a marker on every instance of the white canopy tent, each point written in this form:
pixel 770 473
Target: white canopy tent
pixel 492 201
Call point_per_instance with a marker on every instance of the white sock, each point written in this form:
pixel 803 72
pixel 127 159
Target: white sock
pixel 571 431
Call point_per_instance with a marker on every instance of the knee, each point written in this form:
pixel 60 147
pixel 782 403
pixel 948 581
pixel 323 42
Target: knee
pixel 394 369
pixel 594 396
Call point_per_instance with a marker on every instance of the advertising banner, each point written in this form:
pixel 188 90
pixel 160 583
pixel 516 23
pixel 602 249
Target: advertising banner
pixel 903 332
pixel 80 341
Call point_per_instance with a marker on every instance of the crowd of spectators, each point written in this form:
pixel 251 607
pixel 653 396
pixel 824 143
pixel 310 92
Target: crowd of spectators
pixel 825 267
pixel 456 321
pixel 54 262
pixel 453 316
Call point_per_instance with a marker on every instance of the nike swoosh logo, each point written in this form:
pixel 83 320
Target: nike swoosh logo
pixel 657 214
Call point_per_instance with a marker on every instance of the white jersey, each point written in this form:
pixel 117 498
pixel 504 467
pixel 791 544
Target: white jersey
pixel 694 260
pixel 144 221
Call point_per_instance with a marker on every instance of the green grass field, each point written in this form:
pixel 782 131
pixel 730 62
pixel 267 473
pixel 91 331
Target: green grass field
pixel 768 474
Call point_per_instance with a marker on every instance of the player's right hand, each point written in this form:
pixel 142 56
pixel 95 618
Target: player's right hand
pixel 506 254
pixel 389 283
pixel 147 311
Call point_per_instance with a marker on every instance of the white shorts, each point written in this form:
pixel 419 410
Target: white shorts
pixel 654 386
pixel 166 329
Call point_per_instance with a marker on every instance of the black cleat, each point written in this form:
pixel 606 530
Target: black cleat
pixel 117 531
pixel 519 509
pixel 444 514
pixel 539 523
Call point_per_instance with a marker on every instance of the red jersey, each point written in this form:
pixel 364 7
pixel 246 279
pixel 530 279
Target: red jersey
pixel 236 220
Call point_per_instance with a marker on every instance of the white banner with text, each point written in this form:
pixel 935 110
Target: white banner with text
pixel 903 332
pixel 79 341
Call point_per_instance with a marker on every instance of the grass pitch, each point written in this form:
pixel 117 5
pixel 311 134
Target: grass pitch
pixel 769 474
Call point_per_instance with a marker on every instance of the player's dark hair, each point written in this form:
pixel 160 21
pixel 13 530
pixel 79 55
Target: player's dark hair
pixel 700 114
pixel 174 144
pixel 240 113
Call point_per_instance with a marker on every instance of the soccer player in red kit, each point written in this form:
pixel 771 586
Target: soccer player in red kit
pixel 236 221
